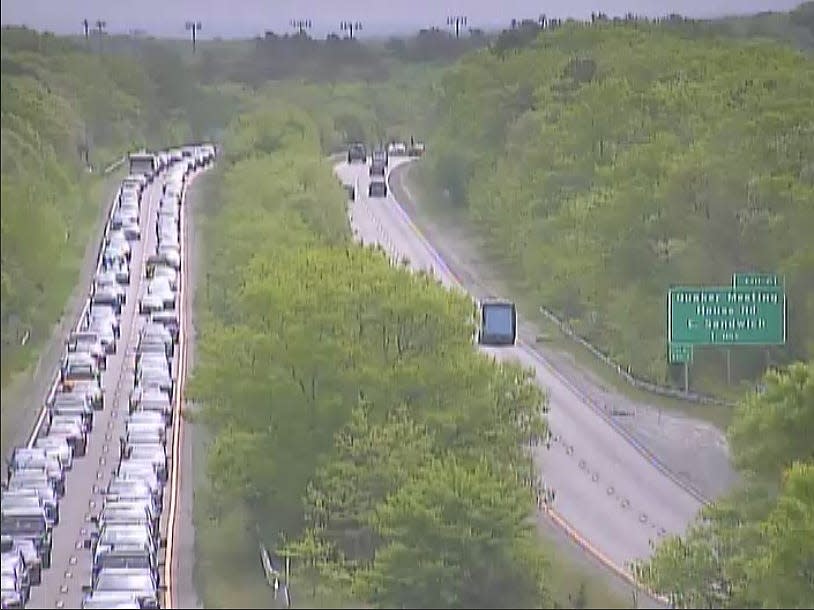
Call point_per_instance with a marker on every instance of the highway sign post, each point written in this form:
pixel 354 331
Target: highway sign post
pixel 681 353
pixel 727 316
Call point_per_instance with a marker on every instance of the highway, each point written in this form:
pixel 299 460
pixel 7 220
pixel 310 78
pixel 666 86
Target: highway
pixel 85 483
pixel 611 497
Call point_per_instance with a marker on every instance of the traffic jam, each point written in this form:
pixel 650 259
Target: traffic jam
pixel 86 493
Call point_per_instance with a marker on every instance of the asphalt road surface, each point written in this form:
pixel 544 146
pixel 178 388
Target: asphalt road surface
pixel 611 495
pixel 71 563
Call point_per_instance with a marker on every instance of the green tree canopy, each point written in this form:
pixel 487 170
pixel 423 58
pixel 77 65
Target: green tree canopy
pixel 754 548
pixel 456 536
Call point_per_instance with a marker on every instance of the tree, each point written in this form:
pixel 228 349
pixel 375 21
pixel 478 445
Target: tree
pixel 775 427
pixel 781 573
pixel 456 536
pixel 753 548
pixel 345 377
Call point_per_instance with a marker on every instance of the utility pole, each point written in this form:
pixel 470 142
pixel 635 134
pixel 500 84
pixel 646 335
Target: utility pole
pixel 194 27
pixel 100 28
pixel 350 27
pixel 457 21
pixel 300 24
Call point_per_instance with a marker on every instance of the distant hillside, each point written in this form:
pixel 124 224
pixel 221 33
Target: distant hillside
pixel 607 162
pixel 795 27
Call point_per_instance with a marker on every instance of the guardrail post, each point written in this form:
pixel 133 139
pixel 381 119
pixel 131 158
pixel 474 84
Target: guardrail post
pixel 686 377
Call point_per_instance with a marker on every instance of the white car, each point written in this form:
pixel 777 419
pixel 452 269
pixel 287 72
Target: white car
pixel 397 149
pixel 171 255
pixel 131 231
pixel 58 447
pixel 168 272
pixel 118 241
pixel 119 267
pixel 150 303
pixel 107 278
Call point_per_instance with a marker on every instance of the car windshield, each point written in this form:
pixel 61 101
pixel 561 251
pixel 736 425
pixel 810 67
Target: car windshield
pixel 147 452
pixel 23 525
pixel 124 582
pixel 80 371
pixel 116 561
pixel 110 604
pixel 12 501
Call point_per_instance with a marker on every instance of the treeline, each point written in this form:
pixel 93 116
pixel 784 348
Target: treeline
pixel 67 112
pixel 352 423
pixel 607 162
pixel 754 548
pixel 335 59
pixel 795 27
pixel 366 112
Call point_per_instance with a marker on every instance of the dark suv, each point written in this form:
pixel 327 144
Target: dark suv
pixel 357 152
pixel 29 523
pixel 380 156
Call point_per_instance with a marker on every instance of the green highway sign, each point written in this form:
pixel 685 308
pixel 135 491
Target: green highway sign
pixel 755 280
pixel 704 315
pixel 679 353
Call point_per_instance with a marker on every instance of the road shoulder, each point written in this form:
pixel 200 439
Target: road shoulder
pixel 186 595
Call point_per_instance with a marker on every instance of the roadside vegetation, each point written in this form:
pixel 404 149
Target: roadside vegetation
pixel 603 163
pixel 353 424
pixel 754 548
pixel 67 113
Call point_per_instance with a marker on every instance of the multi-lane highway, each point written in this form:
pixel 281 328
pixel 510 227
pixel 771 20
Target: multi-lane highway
pixel 160 219
pixel 610 496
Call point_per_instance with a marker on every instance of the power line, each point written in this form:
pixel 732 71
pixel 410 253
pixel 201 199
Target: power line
pixel 300 24
pixel 457 21
pixel 350 27
pixel 194 27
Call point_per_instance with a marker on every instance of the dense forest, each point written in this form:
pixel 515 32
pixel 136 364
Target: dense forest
pixel 353 386
pixel 606 162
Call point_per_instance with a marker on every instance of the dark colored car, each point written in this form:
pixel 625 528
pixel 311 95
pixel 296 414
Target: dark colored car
pixel 31 524
pixel 357 152
pixel 377 189
pixel 380 156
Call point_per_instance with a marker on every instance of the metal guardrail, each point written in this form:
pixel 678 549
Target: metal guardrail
pixel 114 165
pixel 636 382
pixel 274 577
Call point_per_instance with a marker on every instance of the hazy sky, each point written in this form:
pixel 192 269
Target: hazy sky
pixel 239 18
